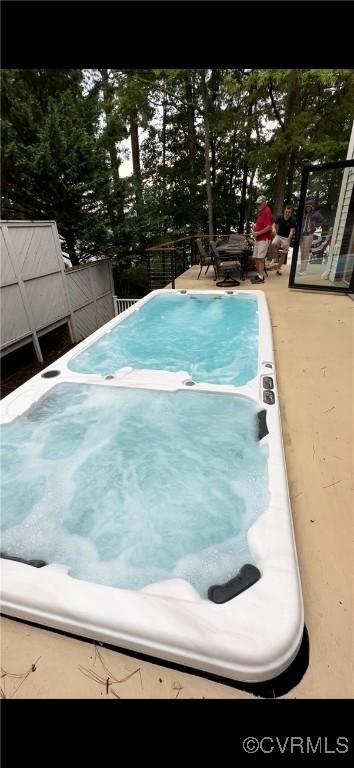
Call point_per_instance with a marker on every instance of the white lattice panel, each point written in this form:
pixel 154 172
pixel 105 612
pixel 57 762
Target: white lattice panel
pixel 35 250
pixel 14 322
pixel 37 291
pixel 7 272
pixel 79 287
pixel 100 278
pixel 85 321
pixel 47 299
pixel 105 309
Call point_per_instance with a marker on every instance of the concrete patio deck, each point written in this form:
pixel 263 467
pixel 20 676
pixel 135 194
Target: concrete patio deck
pixel 313 340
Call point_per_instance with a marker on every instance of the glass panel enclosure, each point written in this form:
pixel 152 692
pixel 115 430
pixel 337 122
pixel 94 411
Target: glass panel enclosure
pixel 323 256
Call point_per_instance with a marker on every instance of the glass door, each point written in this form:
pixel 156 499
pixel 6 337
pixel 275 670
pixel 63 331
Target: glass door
pixel 323 256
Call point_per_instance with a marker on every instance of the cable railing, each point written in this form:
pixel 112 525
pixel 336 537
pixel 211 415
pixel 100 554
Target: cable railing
pixel 166 261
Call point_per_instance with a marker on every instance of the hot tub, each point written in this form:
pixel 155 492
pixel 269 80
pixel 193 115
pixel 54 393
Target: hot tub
pixel 144 492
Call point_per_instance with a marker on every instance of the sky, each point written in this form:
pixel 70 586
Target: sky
pixel 126 166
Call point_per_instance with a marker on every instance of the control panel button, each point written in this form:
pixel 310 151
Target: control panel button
pixel 268 382
pixel 268 397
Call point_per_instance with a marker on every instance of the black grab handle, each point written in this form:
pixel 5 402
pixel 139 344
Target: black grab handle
pixel 246 577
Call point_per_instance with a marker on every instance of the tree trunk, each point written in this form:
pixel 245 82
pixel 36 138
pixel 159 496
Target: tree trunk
pixel 164 119
pixel 214 83
pixel 248 209
pixel 191 151
pixel 290 179
pixel 213 173
pixel 245 170
pixel 230 171
pixel 283 159
pixel 213 158
pixel 139 203
pixel 134 138
pixel 207 154
pixel 70 244
pixel 115 202
pixel 241 225
pixel 280 183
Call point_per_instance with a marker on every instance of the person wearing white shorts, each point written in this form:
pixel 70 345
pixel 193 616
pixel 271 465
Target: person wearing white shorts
pixel 262 233
pixel 260 249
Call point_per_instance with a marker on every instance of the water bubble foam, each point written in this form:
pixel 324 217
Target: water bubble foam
pixel 128 487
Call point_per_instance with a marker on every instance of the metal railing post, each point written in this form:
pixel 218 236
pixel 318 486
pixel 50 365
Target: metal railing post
pixel 149 270
pixel 185 262
pixel 193 260
pixel 164 267
pixel 173 269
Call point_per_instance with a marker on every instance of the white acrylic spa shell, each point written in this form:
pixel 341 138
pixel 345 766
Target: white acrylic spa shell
pixel 251 638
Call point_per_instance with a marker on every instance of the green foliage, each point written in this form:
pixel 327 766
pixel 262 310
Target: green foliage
pixel 50 157
pixel 64 136
pixel 132 282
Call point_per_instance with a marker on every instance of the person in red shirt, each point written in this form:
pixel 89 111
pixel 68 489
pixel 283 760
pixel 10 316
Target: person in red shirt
pixel 262 233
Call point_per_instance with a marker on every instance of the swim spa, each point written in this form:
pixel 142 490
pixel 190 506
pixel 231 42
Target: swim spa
pixel 143 477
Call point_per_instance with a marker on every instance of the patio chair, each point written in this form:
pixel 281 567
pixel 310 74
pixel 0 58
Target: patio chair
pixel 242 251
pixel 224 269
pixel 235 238
pixel 204 259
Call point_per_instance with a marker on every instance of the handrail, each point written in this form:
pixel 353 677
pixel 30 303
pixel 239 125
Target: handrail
pixel 163 260
pixel 164 246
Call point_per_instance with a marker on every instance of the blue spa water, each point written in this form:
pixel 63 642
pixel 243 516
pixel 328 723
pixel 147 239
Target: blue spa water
pixel 214 339
pixel 129 487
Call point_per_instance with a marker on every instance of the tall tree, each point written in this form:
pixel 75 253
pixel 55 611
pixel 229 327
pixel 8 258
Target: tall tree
pixel 307 117
pixel 49 159
pixel 133 91
pixel 114 132
pixel 189 86
pixel 286 140
pixel 207 150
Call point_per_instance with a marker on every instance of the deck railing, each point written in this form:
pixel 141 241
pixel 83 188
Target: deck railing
pixel 166 261
pixel 122 304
